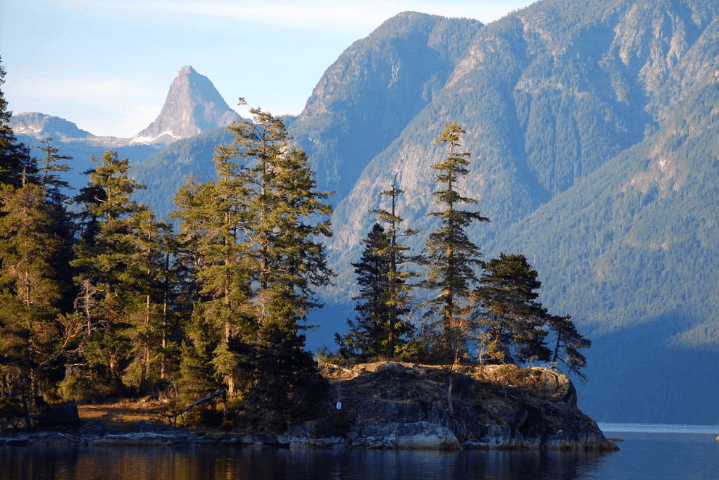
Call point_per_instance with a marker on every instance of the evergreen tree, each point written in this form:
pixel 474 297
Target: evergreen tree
pixel 257 243
pixel 380 331
pixel 16 166
pixel 449 255
pixel 367 336
pixel 397 295
pixel 510 316
pixel 212 218
pixel 567 343
pixel 286 221
pixel 29 290
pixel 150 350
pixel 48 172
pixel 108 260
pixel 63 225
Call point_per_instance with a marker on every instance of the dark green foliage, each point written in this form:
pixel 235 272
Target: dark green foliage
pixel 254 237
pixel 15 161
pixel 449 255
pixel 379 330
pixel 509 317
pixel 367 336
pixel 567 343
pixel 29 266
pixel 121 261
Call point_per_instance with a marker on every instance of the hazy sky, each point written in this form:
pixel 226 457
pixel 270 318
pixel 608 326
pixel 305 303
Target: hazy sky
pixel 107 64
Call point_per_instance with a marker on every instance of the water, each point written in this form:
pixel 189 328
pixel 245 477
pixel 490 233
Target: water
pixel 647 452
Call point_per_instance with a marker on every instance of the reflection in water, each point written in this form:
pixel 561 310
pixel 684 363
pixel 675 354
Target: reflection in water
pixel 296 464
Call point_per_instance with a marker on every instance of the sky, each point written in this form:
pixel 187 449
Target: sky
pixel 107 65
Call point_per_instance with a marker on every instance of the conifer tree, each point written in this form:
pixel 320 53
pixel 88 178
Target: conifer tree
pixel 397 296
pixel 107 257
pixel 48 172
pixel 286 221
pixel 449 255
pixel 567 343
pixel 256 237
pixel 29 291
pixel 380 329
pixel 511 318
pixel 49 177
pixel 150 351
pixel 16 165
pixel 212 219
pixel 367 336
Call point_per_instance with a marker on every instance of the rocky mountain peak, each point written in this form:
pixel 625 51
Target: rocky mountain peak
pixel 192 106
pixel 40 125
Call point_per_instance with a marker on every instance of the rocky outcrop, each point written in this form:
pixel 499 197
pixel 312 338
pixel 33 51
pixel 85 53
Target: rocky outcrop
pixel 394 405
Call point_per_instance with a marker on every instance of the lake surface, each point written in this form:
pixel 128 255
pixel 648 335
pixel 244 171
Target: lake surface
pixel 647 452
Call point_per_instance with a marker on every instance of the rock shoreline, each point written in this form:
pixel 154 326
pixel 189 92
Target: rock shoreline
pixel 392 405
pixel 419 436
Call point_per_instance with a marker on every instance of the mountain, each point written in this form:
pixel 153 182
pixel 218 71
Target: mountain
pixel 375 88
pixel 41 126
pixel 192 106
pixel 31 127
pixel 593 131
pixel 591 126
pixel 164 172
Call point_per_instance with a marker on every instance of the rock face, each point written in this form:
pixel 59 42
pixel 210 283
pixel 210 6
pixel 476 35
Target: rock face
pixel 393 405
pixel 192 106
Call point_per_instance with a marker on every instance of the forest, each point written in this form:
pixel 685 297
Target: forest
pixel 102 300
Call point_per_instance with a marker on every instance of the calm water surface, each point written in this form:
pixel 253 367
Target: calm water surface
pixel 647 452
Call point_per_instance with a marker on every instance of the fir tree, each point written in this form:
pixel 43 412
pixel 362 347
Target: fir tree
pixel 29 290
pixel 108 260
pixel 286 220
pixel 255 236
pixel 567 343
pixel 367 336
pixel 398 294
pixel 449 255
pixel 510 316
pixel 149 331
pixel 379 330
pixel 16 165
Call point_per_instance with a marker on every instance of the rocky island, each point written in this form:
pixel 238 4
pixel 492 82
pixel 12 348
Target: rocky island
pixel 389 405
pixel 399 405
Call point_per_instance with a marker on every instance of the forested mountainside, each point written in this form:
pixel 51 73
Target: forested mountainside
pixel 592 131
pixel 547 96
pixel 591 128
pixel 376 87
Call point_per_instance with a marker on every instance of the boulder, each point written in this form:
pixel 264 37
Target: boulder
pixel 59 415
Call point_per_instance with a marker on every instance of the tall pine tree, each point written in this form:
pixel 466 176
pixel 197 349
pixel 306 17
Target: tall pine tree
pixel 449 255
pixel 367 336
pixel 256 233
pixel 381 329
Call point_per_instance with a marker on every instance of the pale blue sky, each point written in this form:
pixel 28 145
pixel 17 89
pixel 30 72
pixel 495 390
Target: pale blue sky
pixel 107 64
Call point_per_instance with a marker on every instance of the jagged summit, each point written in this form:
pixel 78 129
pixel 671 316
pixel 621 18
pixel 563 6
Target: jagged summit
pixel 192 106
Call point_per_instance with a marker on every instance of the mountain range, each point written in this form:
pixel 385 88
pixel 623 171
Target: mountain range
pixel 593 132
